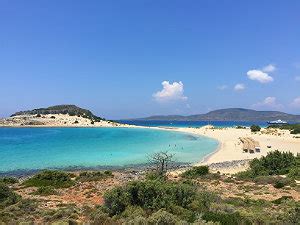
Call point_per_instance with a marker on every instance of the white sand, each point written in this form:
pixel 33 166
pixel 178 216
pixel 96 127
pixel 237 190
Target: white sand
pixel 230 147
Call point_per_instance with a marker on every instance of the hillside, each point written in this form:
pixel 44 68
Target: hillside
pixel 56 116
pixel 71 110
pixel 231 114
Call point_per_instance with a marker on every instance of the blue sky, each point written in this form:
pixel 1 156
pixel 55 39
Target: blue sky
pixel 113 56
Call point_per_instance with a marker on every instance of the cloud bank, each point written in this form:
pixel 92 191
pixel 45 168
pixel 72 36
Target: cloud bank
pixel 170 92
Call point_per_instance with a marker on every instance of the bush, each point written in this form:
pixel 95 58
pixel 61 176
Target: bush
pixel 255 128
pixel 7 196
pixel 275 163
pixel 296 131
pixel 45 191
pixel 52 117
pixel 56 179
pixel 196 171
pixel 93 176
pixel 278 184
pixel 38 115
pixel 9 180
pixel 149 194
pixel 163 218
pixel 225 218
pixel 294 173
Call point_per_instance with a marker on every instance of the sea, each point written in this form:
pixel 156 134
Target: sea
pixel 29 149
pixel 168 123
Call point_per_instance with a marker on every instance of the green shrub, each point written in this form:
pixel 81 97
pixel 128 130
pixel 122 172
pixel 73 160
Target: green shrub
pixel 281 199
pixel 45 190
pixel 149 194
pixel 163 217
pixel 56 179
pixel 7 196
pixel 296 131
pixel 93 176
pixel 9 180
pixel 255 128
pixel 294 173
pixel 275 163
pixel 278 184
pixel 196 171
pixel 225 218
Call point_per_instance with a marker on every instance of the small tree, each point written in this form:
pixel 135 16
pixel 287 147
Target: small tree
pixel 255 128
pixel 162 161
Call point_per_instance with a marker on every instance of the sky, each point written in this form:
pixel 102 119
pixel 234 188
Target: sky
pixel 136 58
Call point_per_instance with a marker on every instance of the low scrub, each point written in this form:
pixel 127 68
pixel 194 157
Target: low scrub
pixel 9 180
pixel 7 196
pixel 149 194
pixel 45 191
pixel 275 163
pixel 196 171
pixel 93 176
pixel 56 179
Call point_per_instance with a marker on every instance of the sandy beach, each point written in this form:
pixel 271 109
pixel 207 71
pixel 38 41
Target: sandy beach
pixel 230 146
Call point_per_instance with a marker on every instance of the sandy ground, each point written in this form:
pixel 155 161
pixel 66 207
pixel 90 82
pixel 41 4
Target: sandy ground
pixel 55 120
pixel 230 147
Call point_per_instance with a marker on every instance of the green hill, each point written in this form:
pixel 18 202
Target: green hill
pixel 71 110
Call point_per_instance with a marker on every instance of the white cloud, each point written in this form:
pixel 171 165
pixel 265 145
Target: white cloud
pixel 170 92
pixel 259 76
pixel 269 68
pixel 222 87
pixel 297 78
pixel 239 87
pixel 296 102
pixel 268 102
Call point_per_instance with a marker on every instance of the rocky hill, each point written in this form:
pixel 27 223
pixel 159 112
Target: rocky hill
pixel 231 114
pixel 71 110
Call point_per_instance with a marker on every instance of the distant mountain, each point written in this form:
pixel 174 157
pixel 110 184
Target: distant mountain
pixel 71 110
pixel 231 114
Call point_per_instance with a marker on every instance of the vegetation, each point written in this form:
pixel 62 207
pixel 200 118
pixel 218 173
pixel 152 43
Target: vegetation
pixel 72 110
pixel 255 128
pixel 53 178
pixel 293 128
pixel 45 191
pixel 93 176
pixel 7 196
pixel 8 180
pixel 275 163
pixel 196 171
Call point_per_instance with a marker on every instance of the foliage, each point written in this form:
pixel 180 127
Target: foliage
pixel 294 173
pixel 255 128
pixel 196 171
pixel 293 128
pixel 149 194
pixel 275 163
pixel 7 196
pixel 45 191
pixel 57 179
pixel 9 180
pixel 225 218
pixel 93 176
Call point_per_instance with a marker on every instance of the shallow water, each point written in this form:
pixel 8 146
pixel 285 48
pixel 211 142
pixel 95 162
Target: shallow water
pixel 40 148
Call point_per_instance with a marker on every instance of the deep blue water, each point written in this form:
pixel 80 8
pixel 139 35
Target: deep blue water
pixel 157 123
pixel 40 148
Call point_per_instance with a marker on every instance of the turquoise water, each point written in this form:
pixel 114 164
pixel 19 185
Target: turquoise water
pixel 40 148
